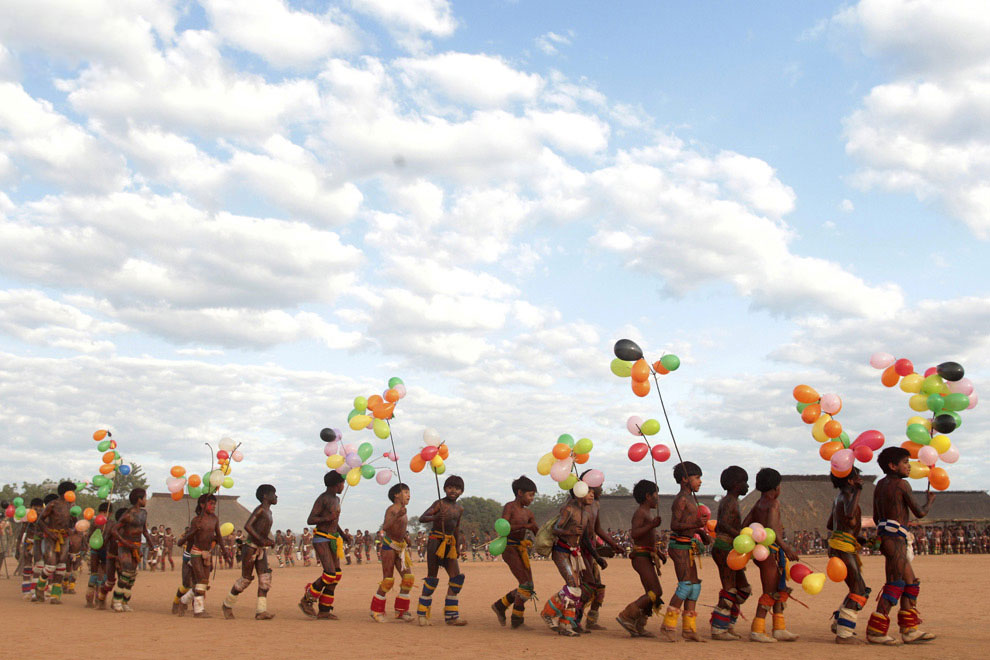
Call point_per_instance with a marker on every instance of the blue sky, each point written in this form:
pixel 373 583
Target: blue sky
pixel 229 219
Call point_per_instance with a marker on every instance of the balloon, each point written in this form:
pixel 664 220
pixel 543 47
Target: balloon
pixel 628 350
pixel 581 459
pixel 928 455
pixel 384 411
pixel 331 448
pixel 863 454
pixel 711 525
pixel 951 371
pixel 944 423
pixel 951 455
pixel 416 464
pixel 580 489
pixel 359 422
pixel 394 381
pixel 828 449
pixel 805 394
pixel 650 427
pixel 438 470
pixel 70 496
pixel 96 538
pixel 88 513
pixel 831 403
pixel 641 388
pixel 918 402
pixel 351 415
pixel 940 443
pixel 226 529
pixel 818 428
pixel 353 476
pixel 746 531
pixel 124 470
pixel 833 428
pixel 811 413
pixel 502 527
pixel 770 539
pixel 670 361
pixel 544 464
pixel 881 360
pixel 638 451
pixel 904 367
pixel 174 484
pixel 367 471
pixel 916 433
pixel 938 478
pixel 761 552
pixel 961 386
pixel 956 401
pixel 327 435
pixel 736 561
pixel 436 461
pixel 758 536
pixel 497 546
pixel 561 451
pixel 391 395
pixel 222 455
pixel 842 460
pixel 660 369
pixel 216 478
pixel 889 377
pixel 567 439
pixel 955 417
pixel 814 583
pixel 912 447
pixel 105 445
pixel 365 450
pixel 660 453
pixel 569 482
pixel 108 457
pixel 844 439
pixel 176 496
pixel 103 492
pixel 228 482
pixel 927 423
pixel 743 544
pixel 911 383
pixel 583 446
pixel 429 452
pixel 799 572
pixel 560 469
pixel 594 478
pixel 840 474
pixel 177 471
pixel 353 460
pixel 620 368
pixel 400 390
pixel 919 470
pixel 431 437
pixel 836 569
pixel 225 468
pixel 633 425
pixel 640 370
pixel 82 526
pixel 194 480
pixel 383 477
pixel 935 403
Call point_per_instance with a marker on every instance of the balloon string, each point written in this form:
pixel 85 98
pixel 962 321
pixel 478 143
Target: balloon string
pixel 396 461
pixel 670 430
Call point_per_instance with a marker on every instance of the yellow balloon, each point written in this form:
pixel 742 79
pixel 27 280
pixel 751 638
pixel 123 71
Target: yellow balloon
pixel 919 470
pixel 814 583
pixel 334 461
pixel 354 476
pixel 225 469
pixel 746 531
pixel 359 422
pixel 226 529
pixel 545 463
pixel 941 443
pixel 912 383
pixel 818 429
pixel 436 461
pixel 918 402
pixel 927 423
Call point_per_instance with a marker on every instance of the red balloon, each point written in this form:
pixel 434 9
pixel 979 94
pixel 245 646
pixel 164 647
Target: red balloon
pixel 222 455
pixel 872 439
pixel 428 453
pixel 660 453
pixel 931 371
pixel 704 512
pixel 799 572
pixel 638 451
pixel 99 520
pixel 9 511
pixel 863 454
pixel 903 367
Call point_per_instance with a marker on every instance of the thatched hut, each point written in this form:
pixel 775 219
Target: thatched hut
pixel 163 510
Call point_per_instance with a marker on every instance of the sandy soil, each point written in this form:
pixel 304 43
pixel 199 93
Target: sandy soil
pixel 952 590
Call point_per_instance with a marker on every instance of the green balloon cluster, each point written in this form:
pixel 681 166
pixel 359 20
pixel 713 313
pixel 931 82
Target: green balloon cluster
pixel 497 545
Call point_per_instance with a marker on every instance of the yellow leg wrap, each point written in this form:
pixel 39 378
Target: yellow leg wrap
pixel 670 619
pixel 386 584
pixel 779 623
pixel 408 580
pixel 759 625
pixel 690 621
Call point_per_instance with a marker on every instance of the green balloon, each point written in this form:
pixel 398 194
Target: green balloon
pixel 569 482
pixel 935 403
pixel 103 446
pixel 670 361
pixel 20 512
pixel 497 546
pixel 566 439
pixel 650 427
pixel 103 493
pixel 955 416
pixel 75 511
pixel 360 405
pixel 801 406
pixel 621 368
pixel 439 470
pixel 353 413
pixel 918 434
pixel 382 431
pixel 502 527
pixel 18 501
pixel 743 544
pixel 932 384
pixel 393 381
pixel 583 446
pixel 770 539
pixel 195 491
pixel 96 539
pixel 365 450
pixel 956 401
pixel 80 485
pixel 228 482
pixel 844 439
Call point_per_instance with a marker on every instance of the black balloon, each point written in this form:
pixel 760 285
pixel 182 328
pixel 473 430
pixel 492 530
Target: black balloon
pixel 944 423
pixel 951 370
pixel 327 435
pixel 628 350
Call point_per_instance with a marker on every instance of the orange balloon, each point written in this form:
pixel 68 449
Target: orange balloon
pixel 443 452
pixel 417 463
pixel 391 395
pixel 88 513
pixel 177 495
pixel 177 471
pixel 736 561
pixel 31 515
pixel 70 496
pixel 805 394
pixel 938 478
pixel 811 414
pixel 561 451
pixel 912 447
pixel 833 428
pixel 108 457
pixel 660 369
pixel 640 370
pixel 641 388
pixel 194 480
pixel 99 435
pixel 384 411
pixel 374 401
pixel 844 473
pixel 890 377
pixel 106 468
pixel 710 526
pixel 836 570
pixel 829 448
pixel 581 458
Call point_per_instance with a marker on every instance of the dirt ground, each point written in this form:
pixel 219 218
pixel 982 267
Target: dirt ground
pixel 952 588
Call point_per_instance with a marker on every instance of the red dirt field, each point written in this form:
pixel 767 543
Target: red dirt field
pixel 953 590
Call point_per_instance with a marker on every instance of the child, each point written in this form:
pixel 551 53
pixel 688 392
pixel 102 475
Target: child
pixel 31 555
pixel 204 534
pixel 516 555
pixel 306 546
pixel 127 533
pixel 646 558
pixel 54 524
pixel 560 610
pixel 845 523
pixel 685 522
pixel 328 547
pixel 773 578
pixel 395 557
pixel 592 588
pixel 254 555
pixel 97 559
pixel 169 544
pixel 290 548
pixel 892 509
pixel 443 550
pixel 735 586
pixel 75 542
pixel 279 545
pixel 110 564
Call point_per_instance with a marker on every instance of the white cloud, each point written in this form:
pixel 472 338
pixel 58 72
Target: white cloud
pixel 549 42
pixel 476 79
pixel 409 20
pixel 846 206
pixel 33 317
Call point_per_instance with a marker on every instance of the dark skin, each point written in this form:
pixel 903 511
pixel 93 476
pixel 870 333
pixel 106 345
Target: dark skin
pixel 846 517
pixel 643 531
pixel 728 526
pixel 258 527
pixel 445 516
pixel 766 511
pixel 55 518
pixel 570 529
pixel 396 528
pixel 204 531
pixel 892 501
pixel 128 532
pixel 686 520
pixel 325 516
pixel 521 520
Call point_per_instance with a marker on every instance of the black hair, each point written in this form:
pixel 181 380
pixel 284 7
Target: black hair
pixel 137 494
pixel 119 514
pixel 523 484
pixel 205 499
pixel 168 529
pixel 686 469
pixel 4 504
pixel 65 487
pixel 264 489
pixel 332 478
pixel 643 489
pixel 767 479
pixel 37 501
pixel 732 476
pixel 839 482
pixel 454 481
pixel 394 491
pixel 891 455
pixel 104 507
pixel 50 497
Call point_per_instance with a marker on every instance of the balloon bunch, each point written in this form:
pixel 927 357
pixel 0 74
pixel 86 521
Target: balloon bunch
pixel 836 446
pixel 754 542
pixel 212 480
pixel 497 544
pixel 352 460
pixel 111 465
pixel 434 453
pixel 562 461
pixel 630 363
pixel 381 409
pixel 19 512
pixel 942 392
pixel 638 451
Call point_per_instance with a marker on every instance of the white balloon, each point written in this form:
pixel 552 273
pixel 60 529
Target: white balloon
pixel 431 437
pixel 580 489
pixel 216 478
pixel 227 444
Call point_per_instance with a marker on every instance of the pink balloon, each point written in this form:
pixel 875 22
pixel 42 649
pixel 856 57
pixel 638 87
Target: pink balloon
pixel 237 456
pixel 755 526
pixel 638 451
pixel 842 460
pixel 383 476
pixel 338 434
pixel 353 460
pixel 594 478
pixel 961 386
pixel 950 455
pixel 761 552
pixel 831 403
pixel 973 400
pixel 560 469
pixel 759 535
pixel 350 449
pixel 633 423
pixel 881 360
pixel 928 455
pixel 400 390
pixel 660 453
pixel 392 457
pixel 330 448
